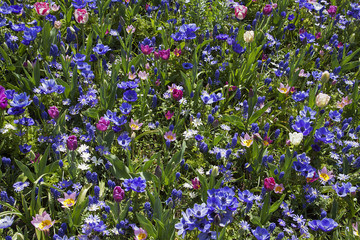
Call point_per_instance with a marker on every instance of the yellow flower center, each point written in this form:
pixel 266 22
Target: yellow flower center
pixel 69 202
pixel 141 236
pixel 278 189
pixel 324 177
pixel 169 137
pixel 283 90
pixel 248 142
pixel 44 224
pixel 134 127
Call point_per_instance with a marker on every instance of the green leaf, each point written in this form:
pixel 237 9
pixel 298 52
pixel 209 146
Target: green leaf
pixel 25 170
pixel 81 203
pixel 118 169
pixel 277 204
pixel 43 160
pixel 258 113
pixel 147 225
pixel 264 215
pixel 234 120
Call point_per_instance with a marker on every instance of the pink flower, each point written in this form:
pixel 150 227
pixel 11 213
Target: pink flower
pixel 325 175
pixel 240 12
pixel 42 8
pixel 69 200
pixel 42 222
pixel 164 54
pixel 53 112
pixel 170 136
pixel 103 124
pixel 345 101
pixel 246 141
pixel 177 94
pixel 169 115
pixel 37 155
pixel 279 188
pixel 143 75
pixel 118 194
pixel 135 125
pixel 140 234
pixel 146 50
pixel 269 184
pixel 54 7
pixel 195 183
pixel 81 16
pixel 283 89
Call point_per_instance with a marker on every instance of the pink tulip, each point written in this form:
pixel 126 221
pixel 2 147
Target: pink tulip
pixel 81 16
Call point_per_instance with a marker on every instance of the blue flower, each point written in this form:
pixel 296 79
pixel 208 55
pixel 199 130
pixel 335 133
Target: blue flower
pixel 261 233
pixel 21 100
pixel 130 96
pixel 124 141
pixel 187 66
pixel 101 49
pixel 300 96
pixel 308 112
pixel 327 224
pixel 303 125
pixel 324 135
pixel 135 184
pixel 125 108
pixel 6 222
pixel 25 148
pixel 246 196
pixel 19 186
pixel 335 116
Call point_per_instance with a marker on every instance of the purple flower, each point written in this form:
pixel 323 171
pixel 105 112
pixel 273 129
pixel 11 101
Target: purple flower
pixel 267 9
pixel 332 10
pixel 71 142
pixel 53 112
pixel 118 194
pixel 327 224
pixel 103 124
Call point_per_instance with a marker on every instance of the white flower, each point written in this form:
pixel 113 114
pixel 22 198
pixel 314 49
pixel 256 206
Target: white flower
pixel 322 100
pixel 93 207
pixel 225 127
pixel 187 185
pixel 193 194
pixel 85 156
pixel 197 122
pixel 189 134
pixel 249 36
pixel 296 138
pixel 83 166
pixel 82 148
pixel 96 161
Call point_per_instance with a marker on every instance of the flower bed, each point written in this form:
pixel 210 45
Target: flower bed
pixel 182 119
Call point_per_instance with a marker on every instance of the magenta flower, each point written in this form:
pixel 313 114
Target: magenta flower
pixel 269 184
pixel 267 9
pixel 146 50
pixel 103 124
pixel 42 222
pixel 164 54
pixel 53 112
pixel 169 115
pixel 118 194
pixel 3 101
pixel 177 94
pixel 240 12
pixel 71 142
pixel 332 10
pixel 81 15
pixel 195 183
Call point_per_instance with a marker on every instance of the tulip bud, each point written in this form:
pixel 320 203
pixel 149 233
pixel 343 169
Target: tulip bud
pixel 249 36
pixel 118 194
pixel 325 77
pixel 322 100
pixel 57 24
